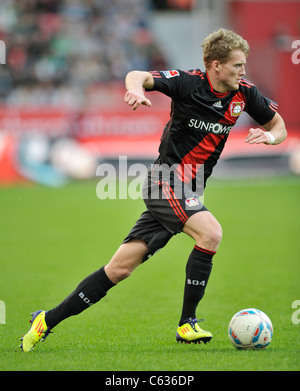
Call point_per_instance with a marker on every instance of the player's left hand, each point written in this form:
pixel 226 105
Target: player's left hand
pixel 257 136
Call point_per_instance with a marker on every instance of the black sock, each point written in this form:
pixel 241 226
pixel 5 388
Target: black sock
pixel 198 270
pixel 89 291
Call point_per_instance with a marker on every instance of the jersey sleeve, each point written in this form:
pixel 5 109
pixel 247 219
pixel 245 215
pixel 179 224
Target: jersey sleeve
pixel 173 83
pixel 260 108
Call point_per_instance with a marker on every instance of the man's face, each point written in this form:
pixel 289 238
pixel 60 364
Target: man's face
pixel 231 72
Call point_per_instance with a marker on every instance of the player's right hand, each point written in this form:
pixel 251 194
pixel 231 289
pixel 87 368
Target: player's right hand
pixel 135 99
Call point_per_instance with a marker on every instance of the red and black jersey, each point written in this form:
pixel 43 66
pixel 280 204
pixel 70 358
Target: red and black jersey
pixel 201 118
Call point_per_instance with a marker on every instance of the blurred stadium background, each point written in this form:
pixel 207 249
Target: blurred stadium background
pixel 62 81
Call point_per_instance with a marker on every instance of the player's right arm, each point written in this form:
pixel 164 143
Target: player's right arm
pixel 135 83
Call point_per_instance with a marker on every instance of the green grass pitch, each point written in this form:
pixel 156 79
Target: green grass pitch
pixel 50 239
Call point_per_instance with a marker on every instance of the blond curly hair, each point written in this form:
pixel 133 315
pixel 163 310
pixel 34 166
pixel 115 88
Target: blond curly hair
pixel 219 44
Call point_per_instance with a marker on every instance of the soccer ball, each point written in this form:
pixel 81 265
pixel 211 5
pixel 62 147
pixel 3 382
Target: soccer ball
pixel 250 328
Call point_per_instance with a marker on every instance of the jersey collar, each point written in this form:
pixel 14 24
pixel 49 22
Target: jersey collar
pixel 218 94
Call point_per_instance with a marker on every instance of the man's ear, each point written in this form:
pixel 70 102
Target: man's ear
pixel 216 65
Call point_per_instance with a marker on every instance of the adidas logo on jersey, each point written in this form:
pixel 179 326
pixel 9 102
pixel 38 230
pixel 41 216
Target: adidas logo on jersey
pixel 218 104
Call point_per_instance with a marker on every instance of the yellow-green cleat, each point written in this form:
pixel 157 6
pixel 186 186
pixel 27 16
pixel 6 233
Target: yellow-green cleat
pixel 38 331
pixel 190 332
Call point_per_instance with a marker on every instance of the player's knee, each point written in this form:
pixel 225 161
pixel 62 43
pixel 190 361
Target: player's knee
pixel 211 237
pixel 124 272
pixel 120 273
pixel 216 235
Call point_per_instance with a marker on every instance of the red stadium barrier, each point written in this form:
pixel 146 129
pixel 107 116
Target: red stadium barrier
pixel 108 134
pixel 9 173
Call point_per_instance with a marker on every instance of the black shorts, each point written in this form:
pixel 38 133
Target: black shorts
pixel 170 202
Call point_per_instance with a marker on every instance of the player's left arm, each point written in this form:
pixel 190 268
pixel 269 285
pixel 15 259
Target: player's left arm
pixel 274 133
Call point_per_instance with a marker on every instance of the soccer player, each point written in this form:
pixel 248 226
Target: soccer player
pixel 205 106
